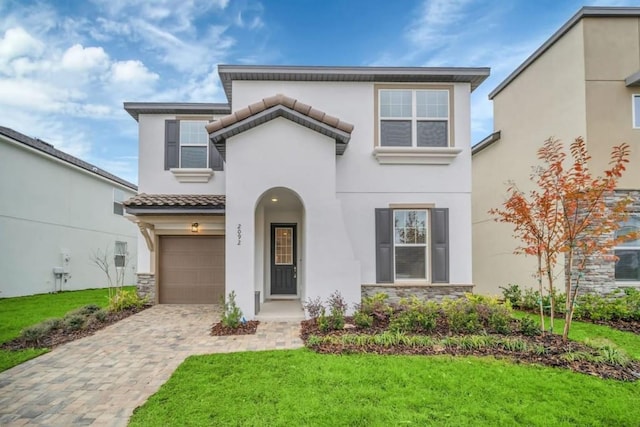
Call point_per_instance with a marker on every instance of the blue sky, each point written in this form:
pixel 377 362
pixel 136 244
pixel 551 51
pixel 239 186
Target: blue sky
pixel 67 66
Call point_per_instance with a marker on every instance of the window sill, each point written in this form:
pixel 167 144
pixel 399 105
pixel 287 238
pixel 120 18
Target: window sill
pixel 192 174
pixel 416 155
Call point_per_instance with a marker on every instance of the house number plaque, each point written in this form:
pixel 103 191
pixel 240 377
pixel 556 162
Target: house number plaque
pixel 239 234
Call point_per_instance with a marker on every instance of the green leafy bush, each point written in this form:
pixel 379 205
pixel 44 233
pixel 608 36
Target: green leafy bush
pixel 34 334
pixel 337 309
pixel 74 322
pixel 124 299
pixel 101 315
pixel 461 316
pixel 529 327
pixel 414 315
pixel 232 314
pixel 362 320
pixel 513 294
pixel 377 306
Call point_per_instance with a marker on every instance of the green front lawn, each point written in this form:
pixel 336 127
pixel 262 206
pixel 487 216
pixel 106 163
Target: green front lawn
pixel 18 313
pixel 581 331
pixel 302 388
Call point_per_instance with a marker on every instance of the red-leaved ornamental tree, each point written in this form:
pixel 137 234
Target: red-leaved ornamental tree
pixel 567 213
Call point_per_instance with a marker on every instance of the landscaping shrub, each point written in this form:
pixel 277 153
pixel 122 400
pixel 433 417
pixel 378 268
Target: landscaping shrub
pixel 33 334
pixel 461 316
pixel 529 327
pixel 74 322
pixel 314 307
pixel 232 314
pixel 362 320
pixel 476 312
pixel 513 294
pixel 124 299
pixel 377 306
pixel 101 315
pixel 415 315
pixel 337 309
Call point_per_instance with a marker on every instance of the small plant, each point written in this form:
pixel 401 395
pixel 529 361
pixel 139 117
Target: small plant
pixel 313 307
pixel 232 314
pixel 74 322
pixel 414 315
pixel 124 299
pixel 529 327
pixel 323 321
pixel 513 294
pixel 34 334
pixel 377 306
pixel 101 315
pixel 462 316
pixel 337 309
pixel 314 341
pixel 362 320
pixel 53 324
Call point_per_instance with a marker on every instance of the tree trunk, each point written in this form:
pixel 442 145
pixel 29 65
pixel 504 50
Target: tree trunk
pixel 541 289
pixel 568 305
pixel 552 298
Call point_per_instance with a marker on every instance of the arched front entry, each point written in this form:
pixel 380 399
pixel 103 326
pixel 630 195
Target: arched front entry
pixel 279 245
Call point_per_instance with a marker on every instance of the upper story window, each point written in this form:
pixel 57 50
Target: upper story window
pixel 188 153
pixel 636 111
pixel 413 117
pixel 118 198
pixel 628 253
pixel 194 144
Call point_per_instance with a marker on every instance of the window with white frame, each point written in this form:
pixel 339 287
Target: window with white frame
pixel 635 107
pixel 410 244
pixel 118 199
pixel 194 144
pixel 120 254
pixel 413 117
pixel 628 252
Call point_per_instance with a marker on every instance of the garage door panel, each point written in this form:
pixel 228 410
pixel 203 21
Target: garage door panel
pixel 191 269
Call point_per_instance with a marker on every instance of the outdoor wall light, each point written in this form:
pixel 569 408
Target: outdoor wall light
pixel 194 227
pixel 274 199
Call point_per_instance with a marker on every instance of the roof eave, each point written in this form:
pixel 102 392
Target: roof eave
pixel 173 210
pixel 229 73
pixel 489 140
pixel 136 108
pixel 584 12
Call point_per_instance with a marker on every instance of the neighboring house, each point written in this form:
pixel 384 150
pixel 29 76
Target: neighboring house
pixel 312 180
pixel 583 81
pixel 56 212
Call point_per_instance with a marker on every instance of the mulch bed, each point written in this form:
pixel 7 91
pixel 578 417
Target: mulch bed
pixel 554 345
pixel 621 325
pixel 248 328
pixel 58 337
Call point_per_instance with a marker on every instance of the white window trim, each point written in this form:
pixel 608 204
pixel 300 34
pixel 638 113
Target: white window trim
pixel 120 254
pixel 426 245
pixel 389 155
pixel 634 125
pixel 192 174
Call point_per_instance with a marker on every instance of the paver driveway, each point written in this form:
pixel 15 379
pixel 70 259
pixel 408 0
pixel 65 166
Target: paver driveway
pixel 99 380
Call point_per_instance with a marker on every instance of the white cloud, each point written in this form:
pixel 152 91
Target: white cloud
pixel 79 58
pixel 16 43
pixel 434 16
pixel 132 72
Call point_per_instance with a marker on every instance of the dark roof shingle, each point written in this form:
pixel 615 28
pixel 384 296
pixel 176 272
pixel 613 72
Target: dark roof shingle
pixel 47 148
pixel 159 201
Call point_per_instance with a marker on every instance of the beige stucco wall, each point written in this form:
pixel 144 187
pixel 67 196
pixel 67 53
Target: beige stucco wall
pixel 612 53
pixel 547 99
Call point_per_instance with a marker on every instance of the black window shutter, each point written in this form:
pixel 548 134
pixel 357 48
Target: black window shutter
pixel 171 144
pixel 440 245
pixel 384 246
pixel 215 159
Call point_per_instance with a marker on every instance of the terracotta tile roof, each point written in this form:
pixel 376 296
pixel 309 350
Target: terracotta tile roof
pixel 210 201
pixel 285 101
pixel 49 149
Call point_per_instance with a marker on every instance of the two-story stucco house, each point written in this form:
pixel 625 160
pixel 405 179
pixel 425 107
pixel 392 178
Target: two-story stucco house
pixel 311 180
pixel 583 81
pixel 57 212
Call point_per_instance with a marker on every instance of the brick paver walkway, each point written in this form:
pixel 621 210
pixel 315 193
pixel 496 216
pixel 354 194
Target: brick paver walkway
pixel 99 380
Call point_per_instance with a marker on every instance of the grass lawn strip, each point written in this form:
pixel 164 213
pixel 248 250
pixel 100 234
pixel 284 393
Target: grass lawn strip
pixel 21 312
pixel 299 387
